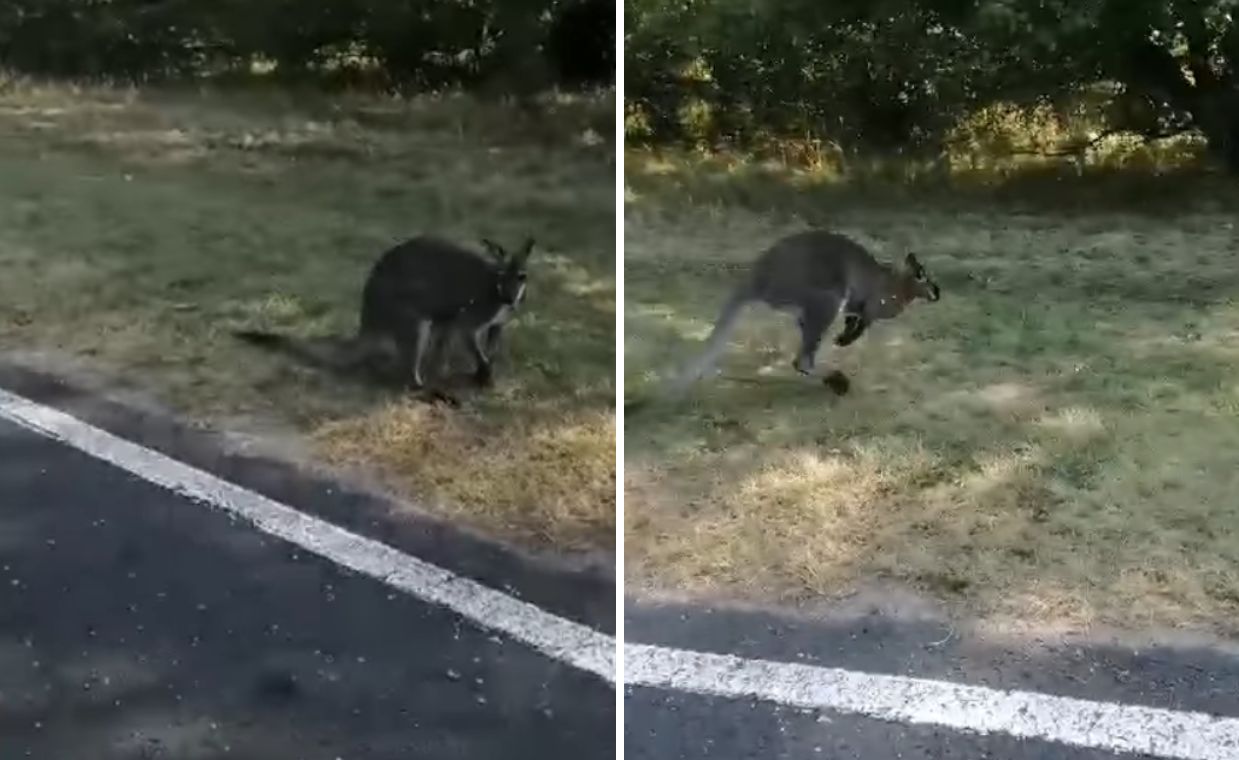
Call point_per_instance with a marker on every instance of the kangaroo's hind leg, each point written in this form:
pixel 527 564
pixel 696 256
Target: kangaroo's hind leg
pixel 815 319
pixel 414 343
pixel 439 351
pixel 479 342
pixel 493 333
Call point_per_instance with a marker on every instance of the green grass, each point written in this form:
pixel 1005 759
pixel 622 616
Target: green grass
pixel 138 227
pixel 1052 442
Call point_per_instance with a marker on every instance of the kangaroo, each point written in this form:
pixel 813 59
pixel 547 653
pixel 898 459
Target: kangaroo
pixel 423 291
pixel 818 275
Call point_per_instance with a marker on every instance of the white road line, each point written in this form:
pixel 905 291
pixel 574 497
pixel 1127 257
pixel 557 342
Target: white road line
pixel 566 641
pixel 1099 725
pixel 974 709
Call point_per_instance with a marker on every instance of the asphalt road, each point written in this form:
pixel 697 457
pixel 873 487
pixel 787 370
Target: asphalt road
pixel 662 725
pixel 134 624
pixel 670 725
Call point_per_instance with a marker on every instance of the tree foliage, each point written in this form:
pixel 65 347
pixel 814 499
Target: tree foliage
pixel 427 43
pixel 895 74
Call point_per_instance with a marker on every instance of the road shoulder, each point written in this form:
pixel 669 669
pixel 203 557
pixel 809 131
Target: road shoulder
pixel 583 593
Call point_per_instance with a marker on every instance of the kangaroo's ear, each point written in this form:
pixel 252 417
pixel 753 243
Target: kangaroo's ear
pixel 495 250
pixel 525 250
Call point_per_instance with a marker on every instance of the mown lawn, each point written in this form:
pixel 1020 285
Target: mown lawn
pixel 1053 442
pixel 138 227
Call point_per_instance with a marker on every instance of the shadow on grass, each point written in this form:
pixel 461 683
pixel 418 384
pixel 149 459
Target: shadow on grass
pixel 670 180
pixel 139 228
pixel 1044 443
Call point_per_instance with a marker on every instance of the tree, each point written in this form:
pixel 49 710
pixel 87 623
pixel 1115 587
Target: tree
pixel 895 74
pixel 1173 61
pixel 426 45
pixel 581 42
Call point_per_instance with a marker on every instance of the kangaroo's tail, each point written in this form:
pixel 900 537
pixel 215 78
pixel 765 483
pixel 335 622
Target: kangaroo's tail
pixel 724 326
pixel 339 354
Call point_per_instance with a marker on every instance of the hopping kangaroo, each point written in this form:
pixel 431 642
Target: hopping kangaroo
pixel 817 276
pixel 423 291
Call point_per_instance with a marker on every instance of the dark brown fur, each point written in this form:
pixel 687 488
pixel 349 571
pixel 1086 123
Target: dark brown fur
pixel 419 293
pixel 817 276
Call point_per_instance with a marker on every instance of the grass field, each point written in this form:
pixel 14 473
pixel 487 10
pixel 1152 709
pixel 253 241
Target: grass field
pixel 1053 442
pixel 138 227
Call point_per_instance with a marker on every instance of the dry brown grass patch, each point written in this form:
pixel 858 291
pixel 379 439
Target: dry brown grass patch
pixel 1046 441
pixel 549 479
pixel 139 227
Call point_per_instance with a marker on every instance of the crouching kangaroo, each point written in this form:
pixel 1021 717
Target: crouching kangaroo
pixel 423 291
pixel 817 276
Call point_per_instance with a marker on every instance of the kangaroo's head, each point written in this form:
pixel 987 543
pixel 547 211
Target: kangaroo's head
pixel 915 282
pixel 510 282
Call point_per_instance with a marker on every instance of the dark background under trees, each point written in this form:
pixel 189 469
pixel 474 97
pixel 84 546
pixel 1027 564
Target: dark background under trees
pixel 897 74
pixel 404 44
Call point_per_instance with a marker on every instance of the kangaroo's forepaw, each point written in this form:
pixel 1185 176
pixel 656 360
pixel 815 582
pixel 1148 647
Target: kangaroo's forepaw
pixel 837 382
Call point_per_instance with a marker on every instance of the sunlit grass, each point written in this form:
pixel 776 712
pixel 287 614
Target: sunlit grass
pixel 1050 440
pixel 138 227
